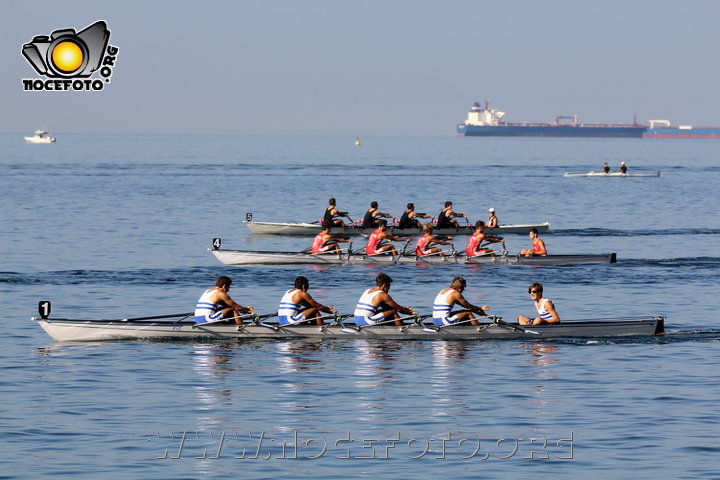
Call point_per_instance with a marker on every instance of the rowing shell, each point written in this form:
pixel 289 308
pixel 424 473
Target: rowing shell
pixel 249 257
pixel 614 174
pixel 275 228
pixel 68 330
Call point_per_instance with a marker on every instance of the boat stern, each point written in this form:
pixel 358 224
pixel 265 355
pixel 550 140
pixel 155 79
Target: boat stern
pixel 659 326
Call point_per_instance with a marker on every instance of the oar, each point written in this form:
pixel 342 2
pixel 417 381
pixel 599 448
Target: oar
pixel 437 328
pixel 418 322
pixel 156 317
pixel 249 316
pixel 337 321
pixel 499 321
pixel 356 227
pixel 136 319
pixel 257 321
pixel 453 253
pixel 360 327
pixel 44 308
pixel 311 319
pixel 402 252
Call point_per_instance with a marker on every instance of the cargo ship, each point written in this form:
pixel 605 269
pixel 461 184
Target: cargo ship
pixel 663 129
pixel 484 121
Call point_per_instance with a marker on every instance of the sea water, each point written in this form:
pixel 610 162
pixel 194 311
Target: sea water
pixel 113 226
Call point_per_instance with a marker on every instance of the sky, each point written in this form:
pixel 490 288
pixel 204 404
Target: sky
pixel 369 67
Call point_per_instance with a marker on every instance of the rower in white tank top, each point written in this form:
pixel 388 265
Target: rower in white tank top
pixel 442 309
pixel 289 312
pixel 205 310
pixel 542 312
pixel 365 312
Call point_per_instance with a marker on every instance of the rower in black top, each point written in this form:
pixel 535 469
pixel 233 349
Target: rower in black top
pixel 410 216
pixel 331 213
pixel 371 216
pixel 445 218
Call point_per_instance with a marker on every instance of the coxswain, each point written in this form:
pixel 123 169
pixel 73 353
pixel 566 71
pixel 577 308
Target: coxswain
pixel 606 168
pixel 372 216
pixel 409 218
pixel 445 218
pixel 297 306
pixel 331 214
pixel 474 248
pixel 324 242
pixel 544 306
pixel 423 246
pixel 215 305
pixel 444 301
pixel 376 305
pixel 538 246
pixel 492 221
pixel 375 244
pixel 623 168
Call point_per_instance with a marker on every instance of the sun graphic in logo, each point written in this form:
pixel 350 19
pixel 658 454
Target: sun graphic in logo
pixel 67 56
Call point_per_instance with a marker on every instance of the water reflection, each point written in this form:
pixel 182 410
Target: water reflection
pixel 376 372
pixel 294 356
pixel 543 360
pixel 541 355
pixel 298 368
pixel 212 363
pixel 448 359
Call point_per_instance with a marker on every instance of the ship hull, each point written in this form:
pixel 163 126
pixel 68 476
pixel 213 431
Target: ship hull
pixel 675 132
pixel 595 131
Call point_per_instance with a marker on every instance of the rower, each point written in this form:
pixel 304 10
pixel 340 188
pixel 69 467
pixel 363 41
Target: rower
pixel 215 305
pixel 297 306
pixel 371 216
pixel 606 168
pixel 376 305
pixel 445 218
pixel 409 218
pixel 331 213
pixel 623 168
pixel 492 221
pixel 375 244
pixel 423 245
pixel 473 248
pixel 326 243
pixel 538 246
pixel 544 306
pixel 442 306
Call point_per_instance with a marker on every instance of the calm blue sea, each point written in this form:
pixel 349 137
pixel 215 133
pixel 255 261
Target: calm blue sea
pixel 112 226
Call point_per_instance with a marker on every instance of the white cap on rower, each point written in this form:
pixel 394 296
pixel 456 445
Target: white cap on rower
pixel 491 209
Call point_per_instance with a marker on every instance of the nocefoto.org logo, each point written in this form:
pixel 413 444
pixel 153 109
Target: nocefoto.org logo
pixel 67 58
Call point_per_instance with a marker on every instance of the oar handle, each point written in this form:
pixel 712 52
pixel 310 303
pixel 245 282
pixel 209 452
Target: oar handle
pixel 499 321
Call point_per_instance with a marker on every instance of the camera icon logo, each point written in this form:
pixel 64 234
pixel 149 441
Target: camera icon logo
pixel 67 53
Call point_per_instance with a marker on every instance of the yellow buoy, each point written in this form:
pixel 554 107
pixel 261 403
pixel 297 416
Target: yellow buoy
pixel 357 141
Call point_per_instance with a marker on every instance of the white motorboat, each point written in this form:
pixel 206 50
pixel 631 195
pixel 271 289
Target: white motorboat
pixel 41 136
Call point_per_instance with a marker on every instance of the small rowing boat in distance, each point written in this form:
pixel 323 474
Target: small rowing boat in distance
pixel 72 330
pixel 278 228
pixel 250 257
pixel 611 175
